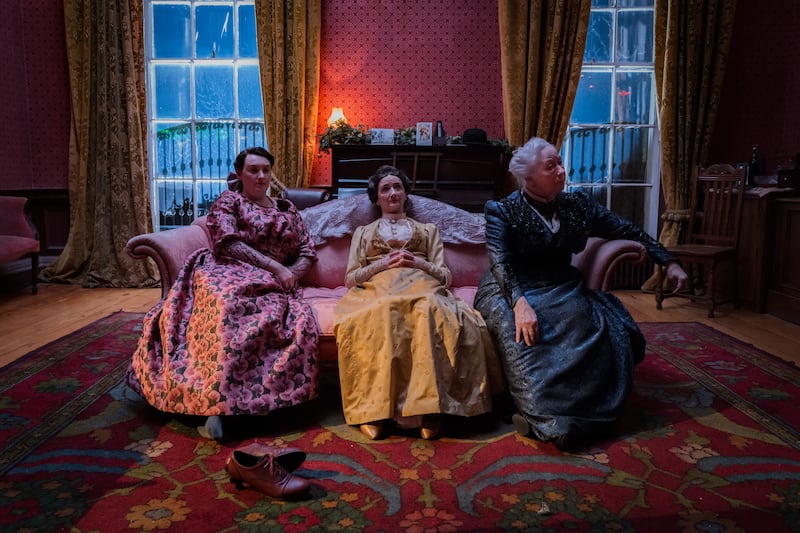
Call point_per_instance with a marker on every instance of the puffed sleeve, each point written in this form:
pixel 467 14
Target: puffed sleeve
pixel 357 257
pixel 499 252
pixel 436 255
pixel 306 246
pixel 223 219
pixel 609 225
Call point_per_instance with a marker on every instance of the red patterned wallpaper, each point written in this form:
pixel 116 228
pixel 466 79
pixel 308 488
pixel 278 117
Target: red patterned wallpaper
pixel 760 102
pixel 391 64
pixel 34 84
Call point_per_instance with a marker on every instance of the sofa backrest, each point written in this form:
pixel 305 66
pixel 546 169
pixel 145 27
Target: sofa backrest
pixel 332 225
pixel 467 263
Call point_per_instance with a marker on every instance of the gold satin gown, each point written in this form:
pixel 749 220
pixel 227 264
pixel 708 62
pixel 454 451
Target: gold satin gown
pixel 407 346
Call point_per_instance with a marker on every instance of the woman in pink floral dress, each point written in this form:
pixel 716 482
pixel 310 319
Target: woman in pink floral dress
pixel 234 336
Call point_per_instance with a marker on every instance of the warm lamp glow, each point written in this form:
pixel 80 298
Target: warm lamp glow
pixel 336 115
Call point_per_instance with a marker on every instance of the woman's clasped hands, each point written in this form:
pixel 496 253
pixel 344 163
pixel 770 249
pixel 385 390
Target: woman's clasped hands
pixel 399 259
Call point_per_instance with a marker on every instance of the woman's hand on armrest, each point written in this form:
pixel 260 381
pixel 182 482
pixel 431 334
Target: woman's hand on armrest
pixel 677 277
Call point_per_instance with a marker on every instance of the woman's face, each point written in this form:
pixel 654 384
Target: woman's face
pixel 546 177
pixel 256 176
pixel 391 195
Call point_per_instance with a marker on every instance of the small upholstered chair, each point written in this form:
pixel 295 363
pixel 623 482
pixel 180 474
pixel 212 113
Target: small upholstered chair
pixel 712 235
pixel 18 236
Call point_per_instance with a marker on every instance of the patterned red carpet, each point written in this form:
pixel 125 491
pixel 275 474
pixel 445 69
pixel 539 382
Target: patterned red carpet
pixel 708 442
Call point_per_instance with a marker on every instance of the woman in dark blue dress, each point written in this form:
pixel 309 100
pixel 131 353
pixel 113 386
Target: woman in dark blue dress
pixel 568 351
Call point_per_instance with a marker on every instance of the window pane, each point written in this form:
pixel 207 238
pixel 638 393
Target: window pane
pixel 214 91
pixel 252 134
pixel 598 38
pixel 214 31
pixel 629 203
pixel 249 86
pixel 634 98
pixel 588 161
pixel 602 3
pixel 593 99
pixel 174 147
pixel 172 91
pixel 176 201
pixel 635 37
pixel 598 194
pixel 247 32
pixel 172 29
pixel 207 192
pixel 635 3
pixel 215 149
pixel 631 146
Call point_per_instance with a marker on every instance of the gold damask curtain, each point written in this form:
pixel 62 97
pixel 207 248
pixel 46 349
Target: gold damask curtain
pixel 541 49
pixel 109 196
pixel 692 40
pixel 288 35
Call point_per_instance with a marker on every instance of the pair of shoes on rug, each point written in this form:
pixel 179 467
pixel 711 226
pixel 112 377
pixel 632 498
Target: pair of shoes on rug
pixel 431 427
pixel 373 430
pixel 268 469
pixel 212 429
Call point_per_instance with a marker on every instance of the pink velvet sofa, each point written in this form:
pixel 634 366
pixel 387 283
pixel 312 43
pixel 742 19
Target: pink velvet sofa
pixel 331 225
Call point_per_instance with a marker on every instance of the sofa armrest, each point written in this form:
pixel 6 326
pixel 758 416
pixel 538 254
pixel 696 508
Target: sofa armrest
pixel 601 257
pixel 168 249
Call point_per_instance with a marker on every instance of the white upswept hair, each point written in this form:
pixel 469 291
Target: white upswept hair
pixel 525 157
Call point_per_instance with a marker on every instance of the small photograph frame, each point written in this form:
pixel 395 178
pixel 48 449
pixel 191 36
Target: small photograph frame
pixel 424 133
pixel 381 136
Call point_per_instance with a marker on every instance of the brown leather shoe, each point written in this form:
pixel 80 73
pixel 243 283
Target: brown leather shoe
pixel 265 475
pixel 289 458
pixel 373 430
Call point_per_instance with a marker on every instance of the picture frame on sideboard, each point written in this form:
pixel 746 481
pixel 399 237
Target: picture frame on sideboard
pixel 424 133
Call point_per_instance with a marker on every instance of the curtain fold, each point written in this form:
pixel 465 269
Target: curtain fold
pixel 692 41
pixel 541 49
pixel 289 35
pixel 108 188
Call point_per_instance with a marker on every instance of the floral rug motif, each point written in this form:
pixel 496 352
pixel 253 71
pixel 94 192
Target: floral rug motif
pixel 708 441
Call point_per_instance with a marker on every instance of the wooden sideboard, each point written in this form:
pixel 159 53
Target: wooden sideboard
pixel 783 296
pixel 462 175
pixel 755 242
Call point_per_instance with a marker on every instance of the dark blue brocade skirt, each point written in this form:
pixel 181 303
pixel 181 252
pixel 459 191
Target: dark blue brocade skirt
pixel 573 381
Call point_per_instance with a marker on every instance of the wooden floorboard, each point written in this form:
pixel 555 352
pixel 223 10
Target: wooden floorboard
pixel 29 321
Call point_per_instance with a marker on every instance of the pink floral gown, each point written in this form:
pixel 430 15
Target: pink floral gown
pixel 228 339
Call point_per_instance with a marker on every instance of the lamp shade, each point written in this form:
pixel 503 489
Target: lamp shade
pixel 336 115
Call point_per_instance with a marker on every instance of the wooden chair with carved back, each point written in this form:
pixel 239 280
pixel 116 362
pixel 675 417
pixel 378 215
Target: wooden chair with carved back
pixel 712 236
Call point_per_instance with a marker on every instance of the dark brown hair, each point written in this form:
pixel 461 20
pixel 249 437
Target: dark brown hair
pixel 382 172
pixel 234 183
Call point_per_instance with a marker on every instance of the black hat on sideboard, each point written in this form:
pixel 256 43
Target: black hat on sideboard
pixel 474 136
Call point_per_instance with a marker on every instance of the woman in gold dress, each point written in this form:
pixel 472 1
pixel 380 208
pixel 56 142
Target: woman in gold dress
pixel 409 351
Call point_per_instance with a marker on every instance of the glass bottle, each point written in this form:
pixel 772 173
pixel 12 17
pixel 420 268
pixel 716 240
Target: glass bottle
pixel 753 167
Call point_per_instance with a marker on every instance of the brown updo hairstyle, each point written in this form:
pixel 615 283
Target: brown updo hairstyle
pixel 382 172
pixel 234 183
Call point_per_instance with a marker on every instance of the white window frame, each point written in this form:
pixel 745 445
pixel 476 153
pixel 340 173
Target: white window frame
pixel 193 174
pixel 652 177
